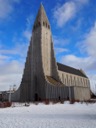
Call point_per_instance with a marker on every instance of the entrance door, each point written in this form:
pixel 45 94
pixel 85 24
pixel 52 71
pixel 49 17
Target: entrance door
pixel 36 97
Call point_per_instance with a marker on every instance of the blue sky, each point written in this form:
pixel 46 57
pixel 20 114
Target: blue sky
pixel 73 25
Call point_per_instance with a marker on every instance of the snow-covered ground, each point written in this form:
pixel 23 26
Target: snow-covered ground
pixel 49 116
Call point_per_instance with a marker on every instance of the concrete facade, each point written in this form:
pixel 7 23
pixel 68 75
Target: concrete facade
pixel 80 85
pixel 42 80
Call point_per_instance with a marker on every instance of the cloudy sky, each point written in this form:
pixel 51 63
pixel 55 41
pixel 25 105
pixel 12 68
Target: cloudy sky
pixel 73 24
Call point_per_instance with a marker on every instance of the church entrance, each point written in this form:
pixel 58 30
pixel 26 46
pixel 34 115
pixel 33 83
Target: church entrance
pixel 59 99
pixel 36 97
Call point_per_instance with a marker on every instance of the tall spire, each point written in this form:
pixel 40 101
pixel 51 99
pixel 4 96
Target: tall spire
pixel 41 4
pixel 41 16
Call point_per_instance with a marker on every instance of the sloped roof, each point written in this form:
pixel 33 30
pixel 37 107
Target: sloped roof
pixel 71 70
pixel 53 81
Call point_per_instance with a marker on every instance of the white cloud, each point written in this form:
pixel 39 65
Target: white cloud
pixel 60 50
pixel 88 46
pixel 11 68
pixel 60 41
pixel 6 7
pixel 12 60
pixel 27 34
pixel 89 42
pixel 67 11
pixel 60 45
pixel 29 21
pixel 88 64
pixel 2 57
pixel 28 31
pixel 16 50
pixel 10 74
pixel 78 62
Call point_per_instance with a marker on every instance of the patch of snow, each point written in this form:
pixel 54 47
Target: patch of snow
pixel 49 116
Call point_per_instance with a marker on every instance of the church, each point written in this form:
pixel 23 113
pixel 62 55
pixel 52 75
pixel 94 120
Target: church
pixel 44 78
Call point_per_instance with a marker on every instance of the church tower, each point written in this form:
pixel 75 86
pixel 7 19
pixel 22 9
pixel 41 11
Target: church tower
pixel 40 62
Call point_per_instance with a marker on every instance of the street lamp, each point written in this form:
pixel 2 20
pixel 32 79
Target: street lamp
pixel 10 94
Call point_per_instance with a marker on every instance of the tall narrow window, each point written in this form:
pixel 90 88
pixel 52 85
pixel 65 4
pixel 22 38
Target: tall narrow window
pixel 43 23
pixel 48 26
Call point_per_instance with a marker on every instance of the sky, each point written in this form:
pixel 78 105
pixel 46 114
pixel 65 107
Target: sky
pixel 73 26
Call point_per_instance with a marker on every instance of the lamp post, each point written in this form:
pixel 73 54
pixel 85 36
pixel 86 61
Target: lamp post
pixel 10 94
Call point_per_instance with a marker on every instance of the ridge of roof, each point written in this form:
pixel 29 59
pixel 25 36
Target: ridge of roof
pixel 71 70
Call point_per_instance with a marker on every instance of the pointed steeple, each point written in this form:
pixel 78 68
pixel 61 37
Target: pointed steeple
pixel 41 17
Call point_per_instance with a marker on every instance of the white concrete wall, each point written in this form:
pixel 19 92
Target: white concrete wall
pixel 73 80
pixel 81 93
pixel 80 84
